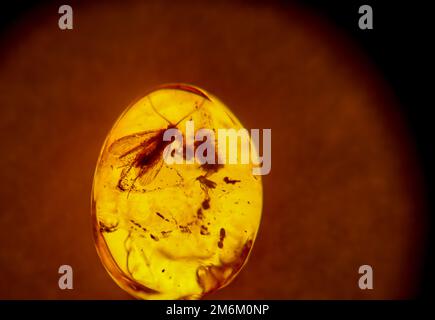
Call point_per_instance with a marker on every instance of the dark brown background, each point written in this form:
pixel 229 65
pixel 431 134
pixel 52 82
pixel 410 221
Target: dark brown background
pixel 344 188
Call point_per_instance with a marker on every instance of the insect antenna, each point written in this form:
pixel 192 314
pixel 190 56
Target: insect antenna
pixel 190 113
pixel 155 110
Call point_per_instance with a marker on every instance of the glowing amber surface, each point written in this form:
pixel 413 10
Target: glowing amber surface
pixel 173 231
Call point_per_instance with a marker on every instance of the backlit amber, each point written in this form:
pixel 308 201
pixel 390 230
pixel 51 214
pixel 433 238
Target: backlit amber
pixel 173 231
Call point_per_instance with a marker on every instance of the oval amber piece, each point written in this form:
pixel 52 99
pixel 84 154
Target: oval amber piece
pixel 172 231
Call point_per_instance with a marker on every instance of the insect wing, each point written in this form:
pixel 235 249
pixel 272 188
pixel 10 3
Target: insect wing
pixel 150 173
pixel 129 146
pixel 142 162
pixel 135 178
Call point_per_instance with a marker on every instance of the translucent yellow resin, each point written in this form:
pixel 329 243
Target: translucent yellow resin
pixel 174 231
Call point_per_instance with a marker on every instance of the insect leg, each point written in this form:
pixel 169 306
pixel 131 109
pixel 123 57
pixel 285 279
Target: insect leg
pixel 176 171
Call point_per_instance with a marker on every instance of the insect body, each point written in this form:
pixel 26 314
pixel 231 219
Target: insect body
pixel 141 153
